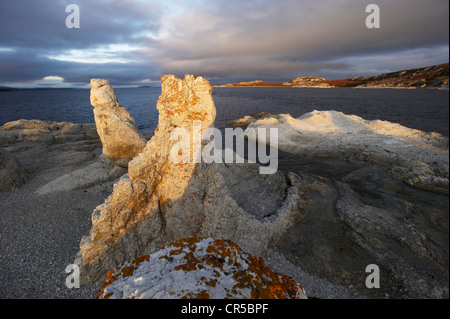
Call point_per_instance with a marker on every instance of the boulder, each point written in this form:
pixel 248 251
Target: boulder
pixel 117 129
pixel 199 268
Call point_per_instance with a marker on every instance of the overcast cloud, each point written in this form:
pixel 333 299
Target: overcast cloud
pixel 134 42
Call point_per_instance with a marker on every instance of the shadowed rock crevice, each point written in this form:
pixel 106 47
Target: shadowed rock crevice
pixel 258 195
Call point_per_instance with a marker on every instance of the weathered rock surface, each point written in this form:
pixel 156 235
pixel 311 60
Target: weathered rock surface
pixel 102 94
pixel 45 132
pixel 410 241
pixel 116 127
pixel 49 148
pixel 60 156
pixel 83 178
pixel 160 201
pixel 40 234
pixel 420 159
pixel 365 217
pixel 199 268
pixel 12 173
pixel 362 208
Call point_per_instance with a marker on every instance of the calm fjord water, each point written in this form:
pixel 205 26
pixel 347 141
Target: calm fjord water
pixel 423 109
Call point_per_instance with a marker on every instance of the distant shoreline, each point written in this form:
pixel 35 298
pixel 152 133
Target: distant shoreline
pixel 7 89
pixel 321 84
pixel 337 87
pixel 431 77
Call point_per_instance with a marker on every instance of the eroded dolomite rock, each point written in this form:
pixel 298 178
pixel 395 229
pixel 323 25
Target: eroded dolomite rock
pixel 60 155
pixel 369 212
pixel 160 201
pixel 117 129
pixel 102 94
pixel 199 268
pixel 420 159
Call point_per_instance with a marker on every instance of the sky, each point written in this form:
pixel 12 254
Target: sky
pixel 135 42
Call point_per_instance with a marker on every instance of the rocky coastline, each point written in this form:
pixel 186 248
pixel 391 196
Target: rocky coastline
pixel 431 77
pixel 355 193
pixel 391 180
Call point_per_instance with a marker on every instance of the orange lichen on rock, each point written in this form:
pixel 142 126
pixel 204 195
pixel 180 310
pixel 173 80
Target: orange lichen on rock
pixel 199 268
pixel 124 272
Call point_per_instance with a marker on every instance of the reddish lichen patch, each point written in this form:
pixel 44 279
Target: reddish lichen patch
pixel 141 259
pixel 121 271
pixel 200 115
pixel 107 296
pixel 216 258
pixel 200 295
pixel 268 284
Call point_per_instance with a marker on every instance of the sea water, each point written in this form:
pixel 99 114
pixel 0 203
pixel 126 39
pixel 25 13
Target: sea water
pixel 423 109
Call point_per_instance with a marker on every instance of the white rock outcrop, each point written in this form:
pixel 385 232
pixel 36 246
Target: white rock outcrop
pixel 420 159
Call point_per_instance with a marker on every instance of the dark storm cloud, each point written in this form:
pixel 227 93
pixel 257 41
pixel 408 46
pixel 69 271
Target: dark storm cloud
pixel 132 41
pixel 34 31
pixel 296 35
pixel 41 24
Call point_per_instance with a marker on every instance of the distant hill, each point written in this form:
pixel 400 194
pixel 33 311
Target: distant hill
pixel 432 76
pixel 435 76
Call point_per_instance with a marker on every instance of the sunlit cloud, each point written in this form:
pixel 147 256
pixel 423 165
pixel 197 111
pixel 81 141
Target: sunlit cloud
pixel 53 78
pixel 114 53
pixel 6 49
